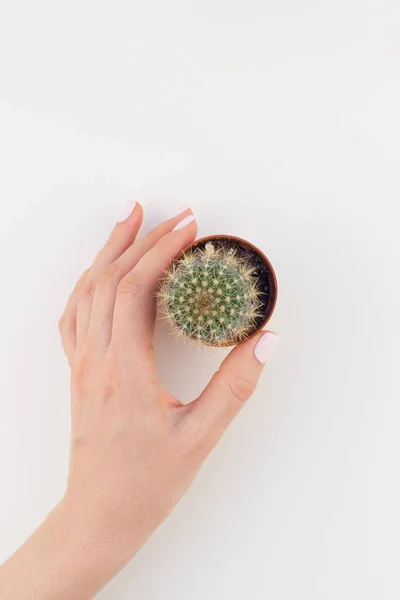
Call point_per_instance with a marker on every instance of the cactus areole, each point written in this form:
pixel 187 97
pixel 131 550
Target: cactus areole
pixel 218 292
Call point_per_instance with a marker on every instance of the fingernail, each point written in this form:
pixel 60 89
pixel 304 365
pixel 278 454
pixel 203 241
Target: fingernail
pixel 265 346
pixel 182 210
pixel 184 222
pixel 128 210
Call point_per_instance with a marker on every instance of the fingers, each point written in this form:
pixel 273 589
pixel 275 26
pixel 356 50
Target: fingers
pixel 90 310
pixel 208 416
pixel 135 307
pixel 112 280
pixel 122 236
pixel 73 327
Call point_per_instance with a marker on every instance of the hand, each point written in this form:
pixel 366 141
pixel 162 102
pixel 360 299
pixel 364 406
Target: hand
pixel 135 449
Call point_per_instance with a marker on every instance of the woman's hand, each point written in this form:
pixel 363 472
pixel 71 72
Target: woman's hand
pixel 135 448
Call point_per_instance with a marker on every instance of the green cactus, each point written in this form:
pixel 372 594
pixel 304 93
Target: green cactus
pixel 211 295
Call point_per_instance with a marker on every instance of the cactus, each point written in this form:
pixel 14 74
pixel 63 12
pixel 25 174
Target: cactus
pixel 211 295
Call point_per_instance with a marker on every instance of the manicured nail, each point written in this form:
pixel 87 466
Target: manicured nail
pixel 265 346
pixel 184 222
pixel 128 210
pixel 182 210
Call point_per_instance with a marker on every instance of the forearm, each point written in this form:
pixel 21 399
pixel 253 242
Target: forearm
pixel 71 556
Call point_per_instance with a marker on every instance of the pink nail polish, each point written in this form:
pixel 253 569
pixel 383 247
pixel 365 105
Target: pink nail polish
pixel 184 222
pixel 265 346
pixel 128 210
pixel 182 210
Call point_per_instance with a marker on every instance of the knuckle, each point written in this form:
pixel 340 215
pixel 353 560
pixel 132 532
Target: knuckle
pixel 112 380
pixel 110 275
pixel 81 369
pixel 87 291
pixel 240 387
pixel 130 284
pixel 80 373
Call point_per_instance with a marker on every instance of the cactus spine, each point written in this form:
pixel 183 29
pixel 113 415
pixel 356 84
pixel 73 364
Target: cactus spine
pixel 210 295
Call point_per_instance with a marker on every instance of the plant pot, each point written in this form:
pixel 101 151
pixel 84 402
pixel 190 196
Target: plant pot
pixel 258 269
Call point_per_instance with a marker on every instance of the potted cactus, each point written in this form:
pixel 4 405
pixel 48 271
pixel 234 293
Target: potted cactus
pixel 218 292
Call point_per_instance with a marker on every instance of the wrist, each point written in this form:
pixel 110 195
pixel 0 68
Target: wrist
pixel 91 547
pixel 73 554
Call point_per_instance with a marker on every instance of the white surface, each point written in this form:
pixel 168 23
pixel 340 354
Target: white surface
pixel 278 122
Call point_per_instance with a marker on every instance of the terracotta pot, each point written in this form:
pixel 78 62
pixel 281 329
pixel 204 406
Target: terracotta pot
pixel 269 274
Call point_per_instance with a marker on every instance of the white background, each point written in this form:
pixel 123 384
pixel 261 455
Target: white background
pixel 277 121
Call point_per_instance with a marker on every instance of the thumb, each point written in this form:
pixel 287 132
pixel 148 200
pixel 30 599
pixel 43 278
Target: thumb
pixel 235 381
